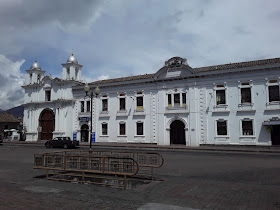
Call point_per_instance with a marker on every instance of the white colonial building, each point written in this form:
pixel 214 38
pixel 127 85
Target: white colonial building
pixel 234 104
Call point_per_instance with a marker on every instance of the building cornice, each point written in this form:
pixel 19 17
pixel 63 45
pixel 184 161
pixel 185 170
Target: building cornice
pixel 49 102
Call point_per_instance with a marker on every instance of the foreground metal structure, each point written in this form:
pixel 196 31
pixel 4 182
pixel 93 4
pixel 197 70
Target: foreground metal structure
pixel 96 166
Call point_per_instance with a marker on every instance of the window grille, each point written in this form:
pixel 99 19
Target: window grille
pixel 247 128
pixel 221 127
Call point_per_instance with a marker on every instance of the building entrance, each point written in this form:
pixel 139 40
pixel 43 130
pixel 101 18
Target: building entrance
pixel 46 121
pixel 275 134
pixel 177 132
pixel 84 133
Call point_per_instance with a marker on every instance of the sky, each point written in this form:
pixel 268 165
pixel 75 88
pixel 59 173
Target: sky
pixel 117 38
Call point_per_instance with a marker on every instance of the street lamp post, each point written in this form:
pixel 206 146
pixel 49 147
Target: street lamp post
pixel 96 91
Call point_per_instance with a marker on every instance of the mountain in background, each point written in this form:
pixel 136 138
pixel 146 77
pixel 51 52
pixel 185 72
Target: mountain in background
pixel 16 111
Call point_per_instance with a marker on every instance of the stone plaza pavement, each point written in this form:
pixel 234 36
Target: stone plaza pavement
pixel 193 178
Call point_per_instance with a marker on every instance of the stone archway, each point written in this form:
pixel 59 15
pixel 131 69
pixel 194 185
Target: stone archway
pixel 177 132
pixel 84 133
pixel 46 122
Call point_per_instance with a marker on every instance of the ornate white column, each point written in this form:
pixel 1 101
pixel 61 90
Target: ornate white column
pixel 56 119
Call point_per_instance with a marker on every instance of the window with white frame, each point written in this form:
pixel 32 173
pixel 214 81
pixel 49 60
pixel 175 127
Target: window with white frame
pixel 122 128
pixel 104 129
pixel 245 93
pixel 139 128
pixel 220 95
pixel 122 98
pixel 169 100
pixel 273 91
pixel 176 100
pixel 104 105
pixel 82 103
pixel 88 106
pixel 247 127
pixel 221 127
pixel 139 101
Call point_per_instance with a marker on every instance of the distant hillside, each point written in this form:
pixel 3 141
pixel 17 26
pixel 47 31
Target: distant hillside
pixel 1 110
pixel 16 111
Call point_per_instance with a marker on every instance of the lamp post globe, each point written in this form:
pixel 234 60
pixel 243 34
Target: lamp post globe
pixel 86 88
pixel 97 91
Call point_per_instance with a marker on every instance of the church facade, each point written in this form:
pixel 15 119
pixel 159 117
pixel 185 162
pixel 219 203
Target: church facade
pixel 231 104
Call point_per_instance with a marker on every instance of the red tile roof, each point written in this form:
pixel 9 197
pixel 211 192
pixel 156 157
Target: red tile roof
pixel 199 69
pixel 238 65
pixel 8 117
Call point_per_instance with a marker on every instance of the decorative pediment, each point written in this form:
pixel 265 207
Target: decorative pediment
pixel 175 67
pixel 47 82
pixel 175 62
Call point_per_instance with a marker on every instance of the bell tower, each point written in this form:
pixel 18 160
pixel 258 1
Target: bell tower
pixel 71 69
pixel 34 74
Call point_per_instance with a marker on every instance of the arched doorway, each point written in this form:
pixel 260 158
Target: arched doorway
pixel 46 122
pixel 177 132
pixel 84 133
pixel 275 134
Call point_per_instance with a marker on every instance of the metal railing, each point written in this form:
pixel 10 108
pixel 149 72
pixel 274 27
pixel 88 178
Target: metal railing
pixel 84 164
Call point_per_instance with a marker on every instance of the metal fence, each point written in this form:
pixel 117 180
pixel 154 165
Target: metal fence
pixel 84 164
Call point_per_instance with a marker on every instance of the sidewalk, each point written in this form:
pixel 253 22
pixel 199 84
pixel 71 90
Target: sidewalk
pixel 229 148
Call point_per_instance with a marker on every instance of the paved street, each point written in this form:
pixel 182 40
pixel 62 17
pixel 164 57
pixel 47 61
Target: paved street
pixel 192 179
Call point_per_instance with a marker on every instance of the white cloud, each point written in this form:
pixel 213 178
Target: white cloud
pixel 122 38
pixel 103 77
pixel 11 93
pixel 88 79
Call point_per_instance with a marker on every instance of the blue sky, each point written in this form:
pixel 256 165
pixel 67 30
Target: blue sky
pixel 116 38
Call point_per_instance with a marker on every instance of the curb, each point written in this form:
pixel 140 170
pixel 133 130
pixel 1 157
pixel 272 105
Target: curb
pixel 222 148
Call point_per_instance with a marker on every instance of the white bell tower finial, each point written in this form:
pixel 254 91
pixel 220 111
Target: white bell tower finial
pixel 71 69
pixel 34 74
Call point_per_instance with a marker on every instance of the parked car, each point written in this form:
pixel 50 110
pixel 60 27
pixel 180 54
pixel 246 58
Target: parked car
pixel 1 139
pixel 11 135
pixel 64 142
